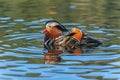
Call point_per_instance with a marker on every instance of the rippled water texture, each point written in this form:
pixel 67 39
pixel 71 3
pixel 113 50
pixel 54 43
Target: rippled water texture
pixel 22 56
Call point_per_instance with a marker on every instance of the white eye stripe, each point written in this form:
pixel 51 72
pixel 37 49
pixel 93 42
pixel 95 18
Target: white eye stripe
pixel 52 24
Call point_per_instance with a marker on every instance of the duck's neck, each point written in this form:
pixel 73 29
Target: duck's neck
pixel 52 35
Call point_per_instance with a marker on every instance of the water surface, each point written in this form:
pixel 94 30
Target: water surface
pixel 22 56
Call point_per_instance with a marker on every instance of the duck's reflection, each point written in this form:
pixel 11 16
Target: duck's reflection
pixel 53 56
pixel 77 51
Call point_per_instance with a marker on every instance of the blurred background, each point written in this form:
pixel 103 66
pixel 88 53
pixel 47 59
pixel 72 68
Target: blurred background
pixel 22 55
pixel 102 12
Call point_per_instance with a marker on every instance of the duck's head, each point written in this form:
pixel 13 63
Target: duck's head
pixel 53 29
pixel 53 23
pixel 76 33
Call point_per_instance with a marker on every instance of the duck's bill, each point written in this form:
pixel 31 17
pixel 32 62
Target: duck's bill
pixel 44 31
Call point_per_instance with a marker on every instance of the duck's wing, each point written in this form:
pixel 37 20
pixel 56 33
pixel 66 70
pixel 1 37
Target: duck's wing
pixel 90 42
pixel 68 41
pixel 61 41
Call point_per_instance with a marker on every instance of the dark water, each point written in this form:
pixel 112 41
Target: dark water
pixel 22 56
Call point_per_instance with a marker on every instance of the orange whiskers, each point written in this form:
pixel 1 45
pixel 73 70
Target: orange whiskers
pixel 78 34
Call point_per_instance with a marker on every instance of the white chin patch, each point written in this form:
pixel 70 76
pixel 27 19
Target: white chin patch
pixel 52 24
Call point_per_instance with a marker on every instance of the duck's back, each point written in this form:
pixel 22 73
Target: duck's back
pixel 66 41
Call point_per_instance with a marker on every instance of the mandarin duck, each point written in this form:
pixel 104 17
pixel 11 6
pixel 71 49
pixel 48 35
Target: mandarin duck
pixel 73 38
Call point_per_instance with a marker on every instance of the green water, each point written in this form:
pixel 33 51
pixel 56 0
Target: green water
pixel 22 56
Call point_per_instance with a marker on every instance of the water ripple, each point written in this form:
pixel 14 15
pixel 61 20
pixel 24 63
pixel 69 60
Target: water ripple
pixel 27 36
pixel 5 18
pixel 23 57
pixel 91 58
